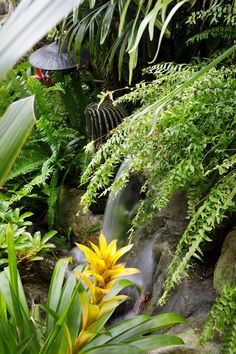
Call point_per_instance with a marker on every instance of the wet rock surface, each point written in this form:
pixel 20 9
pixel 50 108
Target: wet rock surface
pixel 195 295
pixel 6 8
pixel 225 268
pixel 36 277
pixel 3 7
pixel 71 218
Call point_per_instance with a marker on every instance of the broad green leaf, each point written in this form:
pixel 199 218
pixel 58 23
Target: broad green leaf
pixel 152 324
pixel 48 235
pixel 12 260
pixel 141 30
pixel 122 284
pixel 92 3
pixel 156 341
pixel 134 27
pixel 159 5
pixel 117 329
pixel 123 17
pixel 60 327
pixel 133 59
pixel 114 349
pixel 106 23
pixel 168 19
pixel 28 24
pixel 20 349
pixel 55 290
pixel 3 308
pixel 15 126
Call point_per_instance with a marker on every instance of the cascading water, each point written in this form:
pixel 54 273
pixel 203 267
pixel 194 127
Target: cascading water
pixel 120 207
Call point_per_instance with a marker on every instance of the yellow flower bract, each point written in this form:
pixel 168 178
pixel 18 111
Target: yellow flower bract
pixel 103 268
pixel 99 277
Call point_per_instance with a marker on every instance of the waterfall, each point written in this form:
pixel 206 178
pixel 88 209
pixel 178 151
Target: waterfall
pixel 120 207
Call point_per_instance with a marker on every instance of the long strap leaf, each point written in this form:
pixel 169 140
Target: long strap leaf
pixel 15 126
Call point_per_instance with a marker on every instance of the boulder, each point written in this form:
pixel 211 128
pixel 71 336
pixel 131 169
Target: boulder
pixel 191 345
pixel 224 273
pixel 71 218
pixel 6 8
pixel 3 7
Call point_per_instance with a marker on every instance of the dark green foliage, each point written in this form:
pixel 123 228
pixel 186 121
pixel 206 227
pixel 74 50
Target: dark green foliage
pixel 29 247
pixel 222 321
pixel 54 148
pixel 215 22
pixel 187 143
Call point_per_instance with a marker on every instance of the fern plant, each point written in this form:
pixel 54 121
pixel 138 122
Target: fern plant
pixel 55 146
pixel 215 22
pixel 221 322
pixel 183 142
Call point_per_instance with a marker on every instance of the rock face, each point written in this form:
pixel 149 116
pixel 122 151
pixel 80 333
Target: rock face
pixel 154 247
pixel 3 7
pixel 70 217
pixel 225 268
pixel 6 8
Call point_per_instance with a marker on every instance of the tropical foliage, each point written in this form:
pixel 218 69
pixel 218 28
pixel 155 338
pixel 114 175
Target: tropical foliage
pixel 75 317
pixel 54 148
pixel 181 136
pixel 28 247
pixel 222 320
pixel 182 142
pixel 215 22
pixel 118 28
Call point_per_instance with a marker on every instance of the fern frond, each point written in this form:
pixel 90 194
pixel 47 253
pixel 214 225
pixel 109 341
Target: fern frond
pixel 47 170
pixel 52 199
pixel 214 209
pixel 222 321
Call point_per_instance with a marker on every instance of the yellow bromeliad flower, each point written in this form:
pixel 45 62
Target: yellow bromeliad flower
pixel 104 271
pixel 103 268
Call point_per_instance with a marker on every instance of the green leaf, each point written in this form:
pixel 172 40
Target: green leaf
pixel 156 341
pixel 106 23
pixel 159 5
pixel 12 260
pixel 114 349
pixel 20 349
pixel 15 126
pixel 54 294
pixel 49 345
pixel 152 324
pixel 116 330
pixel 48 236
pixel 168 19
pixel 123 17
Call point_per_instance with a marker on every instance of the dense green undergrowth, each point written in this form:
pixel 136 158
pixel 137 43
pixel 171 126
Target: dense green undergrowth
pixel 187 143
pixel 54 150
